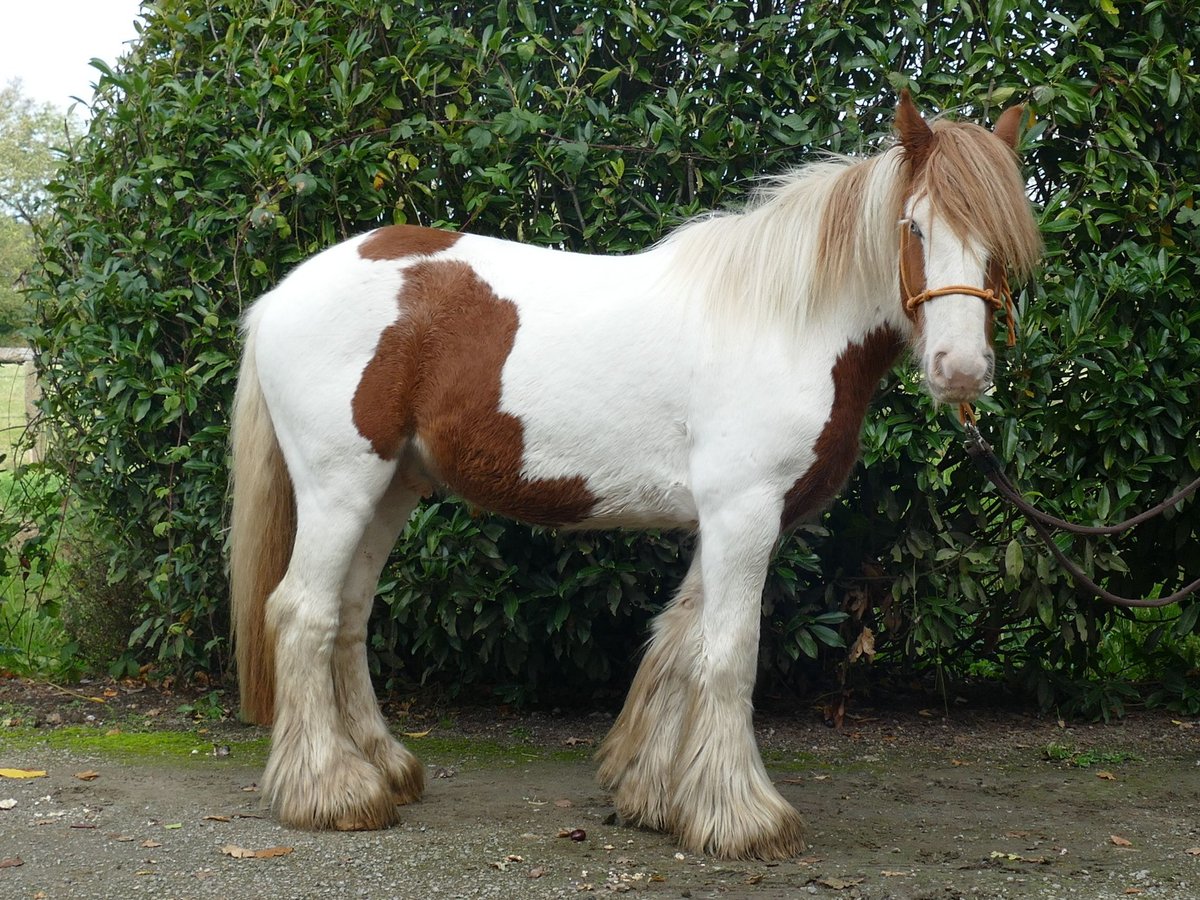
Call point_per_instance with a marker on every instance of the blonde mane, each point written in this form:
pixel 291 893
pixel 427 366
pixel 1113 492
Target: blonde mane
pixel 828 229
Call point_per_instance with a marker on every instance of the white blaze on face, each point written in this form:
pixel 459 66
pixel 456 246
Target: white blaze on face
pixel 956 351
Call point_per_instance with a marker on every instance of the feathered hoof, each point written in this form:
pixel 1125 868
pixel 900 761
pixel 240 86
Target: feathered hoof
pixel 642 802
pixel 404 772
pixel 350 794
pixel 775 833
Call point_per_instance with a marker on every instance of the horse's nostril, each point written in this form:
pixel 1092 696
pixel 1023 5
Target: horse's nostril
pixel 937 363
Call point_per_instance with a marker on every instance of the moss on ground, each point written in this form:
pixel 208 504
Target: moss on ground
pixel 141 745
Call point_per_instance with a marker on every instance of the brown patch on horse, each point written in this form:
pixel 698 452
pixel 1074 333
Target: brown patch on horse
pixel 400 241
pixel 856 375
pixel 436 376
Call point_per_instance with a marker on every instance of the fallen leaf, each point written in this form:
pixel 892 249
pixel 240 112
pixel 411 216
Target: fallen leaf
pixel 563 804
pixel 216 819
pixel 87 775
pixel 575 741
pixel 1192 851
pixel 109 692
pixel 150 843
pixel 1133 890
pixel 22 773
pixel 926 713
pixel 1106 775
pixel 11 861
pixel 960 762
pixel 244 853
pixel 888 873
pixel 1120 841
pixel 112 732
pixel 271 852
pixel 122 838
pixel 173 826
pixel 513 857
pixel 499 865
pixel 250 789
pixel 417 734
pixel 753 879
pixel 537 872
pixel 7 804
pixel 81 825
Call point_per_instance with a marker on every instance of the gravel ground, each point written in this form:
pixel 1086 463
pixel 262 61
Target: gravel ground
pixel 902 806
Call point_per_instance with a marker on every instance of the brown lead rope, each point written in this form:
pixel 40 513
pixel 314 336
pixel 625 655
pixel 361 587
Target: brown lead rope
pixel 982 454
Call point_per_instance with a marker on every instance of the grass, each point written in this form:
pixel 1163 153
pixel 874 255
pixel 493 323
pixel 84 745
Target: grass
pixel 32 638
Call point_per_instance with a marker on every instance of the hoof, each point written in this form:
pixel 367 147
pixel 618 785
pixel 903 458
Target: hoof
pixel 404 772
pixel 770 834
pixel 345 794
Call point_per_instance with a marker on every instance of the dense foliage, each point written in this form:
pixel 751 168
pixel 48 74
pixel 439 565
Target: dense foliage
pixel 239 138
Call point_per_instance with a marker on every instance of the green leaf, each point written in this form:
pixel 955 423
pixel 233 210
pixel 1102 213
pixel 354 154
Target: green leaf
pixel 1014 559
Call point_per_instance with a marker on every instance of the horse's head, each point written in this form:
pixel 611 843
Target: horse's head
pixel 965 223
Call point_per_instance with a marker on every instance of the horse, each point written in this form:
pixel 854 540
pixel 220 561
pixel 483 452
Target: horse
pixel 716 381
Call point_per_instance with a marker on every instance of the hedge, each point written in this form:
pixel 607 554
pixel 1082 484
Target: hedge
pixel 236 139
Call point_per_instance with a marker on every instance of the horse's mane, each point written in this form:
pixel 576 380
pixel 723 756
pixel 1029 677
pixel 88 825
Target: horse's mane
pixel 829 228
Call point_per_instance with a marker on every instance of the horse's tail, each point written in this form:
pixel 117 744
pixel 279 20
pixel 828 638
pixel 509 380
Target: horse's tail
pixel 262 529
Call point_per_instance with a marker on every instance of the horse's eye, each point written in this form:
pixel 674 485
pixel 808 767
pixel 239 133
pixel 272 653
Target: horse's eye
pixel 916 229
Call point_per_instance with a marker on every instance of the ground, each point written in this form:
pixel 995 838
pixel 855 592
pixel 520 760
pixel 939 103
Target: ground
pixel 141 798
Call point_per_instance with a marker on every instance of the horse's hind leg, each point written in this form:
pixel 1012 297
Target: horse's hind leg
pixel 316 776
pixel 637 756
pixel 351 676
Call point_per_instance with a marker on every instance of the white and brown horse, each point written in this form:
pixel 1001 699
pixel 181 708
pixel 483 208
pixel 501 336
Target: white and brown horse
pixel 716 382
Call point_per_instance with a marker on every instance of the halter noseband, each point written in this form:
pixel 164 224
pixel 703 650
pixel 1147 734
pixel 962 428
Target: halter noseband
pixel 996 299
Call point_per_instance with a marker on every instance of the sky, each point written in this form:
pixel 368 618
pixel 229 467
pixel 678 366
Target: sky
pixel 47 44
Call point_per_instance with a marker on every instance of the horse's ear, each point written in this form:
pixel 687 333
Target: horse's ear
pixel 1008 126
pixel 914 133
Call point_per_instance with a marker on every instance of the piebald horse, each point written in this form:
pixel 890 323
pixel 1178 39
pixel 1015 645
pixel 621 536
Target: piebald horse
pixel 717 382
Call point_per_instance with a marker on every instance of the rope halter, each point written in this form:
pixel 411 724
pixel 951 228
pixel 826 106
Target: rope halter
pixel 1000 298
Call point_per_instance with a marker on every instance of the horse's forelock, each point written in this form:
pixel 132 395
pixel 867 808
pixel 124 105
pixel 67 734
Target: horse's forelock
pixel 973 181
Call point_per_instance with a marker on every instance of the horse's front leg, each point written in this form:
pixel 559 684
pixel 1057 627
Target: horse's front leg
pixel 722 801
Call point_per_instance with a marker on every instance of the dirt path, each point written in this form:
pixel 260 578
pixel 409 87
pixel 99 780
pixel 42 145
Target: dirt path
pixel 901 806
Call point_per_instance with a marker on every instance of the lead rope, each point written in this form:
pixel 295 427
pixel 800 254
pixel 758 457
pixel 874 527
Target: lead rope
pixel 985 458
